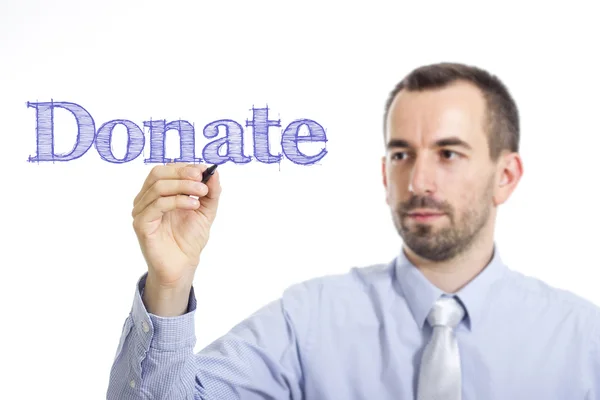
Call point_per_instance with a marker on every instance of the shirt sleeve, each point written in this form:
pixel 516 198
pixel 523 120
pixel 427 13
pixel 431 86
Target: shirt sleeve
pixel 257 359
pixel 593 381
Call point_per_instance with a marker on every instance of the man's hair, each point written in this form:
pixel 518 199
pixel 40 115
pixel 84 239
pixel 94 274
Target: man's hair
pixel 502 115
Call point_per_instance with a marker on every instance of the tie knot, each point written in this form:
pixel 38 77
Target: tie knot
pixel 447 311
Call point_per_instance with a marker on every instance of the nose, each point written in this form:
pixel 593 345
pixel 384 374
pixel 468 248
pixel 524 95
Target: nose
pixel 422 178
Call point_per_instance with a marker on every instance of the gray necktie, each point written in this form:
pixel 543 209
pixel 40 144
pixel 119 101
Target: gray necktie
pixel 440 377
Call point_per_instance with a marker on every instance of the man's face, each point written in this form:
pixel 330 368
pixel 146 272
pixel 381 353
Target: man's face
pixel 437 170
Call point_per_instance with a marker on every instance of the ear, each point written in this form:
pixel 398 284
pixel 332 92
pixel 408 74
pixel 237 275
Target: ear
pixel 510 171
pixel 383 172
pixel 384 179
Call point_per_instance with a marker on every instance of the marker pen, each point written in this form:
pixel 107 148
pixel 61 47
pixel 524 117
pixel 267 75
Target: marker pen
pixel 208 173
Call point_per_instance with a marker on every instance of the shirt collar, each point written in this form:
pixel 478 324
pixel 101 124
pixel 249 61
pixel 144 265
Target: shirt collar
pixel 421 294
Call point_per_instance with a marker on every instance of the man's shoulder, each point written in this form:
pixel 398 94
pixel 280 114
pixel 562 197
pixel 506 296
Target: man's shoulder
pixel 355 284
pixel 555 297
pixel 356 277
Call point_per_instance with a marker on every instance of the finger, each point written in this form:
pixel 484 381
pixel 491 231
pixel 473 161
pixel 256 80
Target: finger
pixel 169 187
pixel 209 203
pixel 214 186
pixel 170 171
pixel 178 164
pixel 162 205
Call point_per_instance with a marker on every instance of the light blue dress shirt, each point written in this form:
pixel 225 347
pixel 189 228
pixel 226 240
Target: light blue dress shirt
pixel 360 335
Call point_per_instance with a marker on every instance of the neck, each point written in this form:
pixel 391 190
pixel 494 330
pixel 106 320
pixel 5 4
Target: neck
pixel 452 275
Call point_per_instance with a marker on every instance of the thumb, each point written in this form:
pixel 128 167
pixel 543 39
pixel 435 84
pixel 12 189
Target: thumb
pixel 210 202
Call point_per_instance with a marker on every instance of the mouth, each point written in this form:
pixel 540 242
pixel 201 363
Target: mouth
pixel 424 216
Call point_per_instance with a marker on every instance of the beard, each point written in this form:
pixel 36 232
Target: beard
pixel 442 244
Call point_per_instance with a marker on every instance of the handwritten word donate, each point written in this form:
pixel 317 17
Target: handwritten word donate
pixel 87 135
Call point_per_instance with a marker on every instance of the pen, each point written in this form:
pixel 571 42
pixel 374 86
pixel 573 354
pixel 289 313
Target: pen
pixel 208 173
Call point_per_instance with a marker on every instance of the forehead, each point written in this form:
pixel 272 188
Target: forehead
pixel 423 117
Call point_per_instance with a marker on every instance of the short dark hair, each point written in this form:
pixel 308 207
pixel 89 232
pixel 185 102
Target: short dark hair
pixel 502 115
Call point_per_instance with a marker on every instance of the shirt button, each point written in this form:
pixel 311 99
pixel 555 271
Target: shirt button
pixel 145 326
pixel 132 383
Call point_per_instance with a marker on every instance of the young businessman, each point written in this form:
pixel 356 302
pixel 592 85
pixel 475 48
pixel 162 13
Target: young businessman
pixel 446 319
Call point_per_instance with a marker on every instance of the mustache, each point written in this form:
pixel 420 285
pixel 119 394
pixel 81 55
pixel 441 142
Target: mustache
pixel 417 202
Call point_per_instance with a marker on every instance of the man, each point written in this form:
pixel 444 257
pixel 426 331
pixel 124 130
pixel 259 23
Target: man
pixel 447 319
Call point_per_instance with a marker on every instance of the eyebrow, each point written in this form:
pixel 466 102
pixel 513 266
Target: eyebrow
pixel 451 141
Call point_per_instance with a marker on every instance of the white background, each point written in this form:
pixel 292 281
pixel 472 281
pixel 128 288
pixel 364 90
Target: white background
pixel 70 259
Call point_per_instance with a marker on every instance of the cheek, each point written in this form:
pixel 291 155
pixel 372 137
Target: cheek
pixel 396 191
pixel 461 195
pixel 397 179
pixel 474 196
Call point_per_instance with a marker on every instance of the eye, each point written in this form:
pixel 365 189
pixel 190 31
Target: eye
pixel 447 154
pixel 398 155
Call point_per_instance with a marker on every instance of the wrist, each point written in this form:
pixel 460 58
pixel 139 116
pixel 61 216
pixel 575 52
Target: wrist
pixel 166 301
pixel 167 291
pixel 166 284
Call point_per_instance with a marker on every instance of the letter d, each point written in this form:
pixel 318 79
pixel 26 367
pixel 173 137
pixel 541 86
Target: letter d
pixel 86 131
